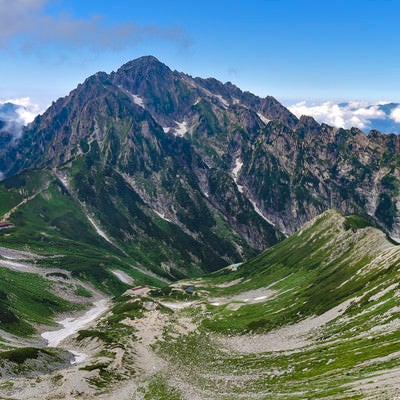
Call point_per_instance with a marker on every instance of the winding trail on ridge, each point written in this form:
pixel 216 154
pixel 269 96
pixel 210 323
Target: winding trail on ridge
pixel 8 214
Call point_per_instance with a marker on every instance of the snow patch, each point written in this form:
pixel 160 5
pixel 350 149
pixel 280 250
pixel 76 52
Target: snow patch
pixel 166 129
pixel 222 100
pixel 137 100
pixel 79 357
pixel 396 239
pixel 162 216
pixel 122 276
pixel 235 173
pixel 73 325
pixel 98 230
pixel 181 128
pixel 240 188
pixel 64 180
pixel 12 254
pixel 234 267
pixel 250 296
pixel 236 169
pixel 263 119
pixel 259 212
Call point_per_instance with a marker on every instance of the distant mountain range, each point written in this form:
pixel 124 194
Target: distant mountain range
pixel 187 173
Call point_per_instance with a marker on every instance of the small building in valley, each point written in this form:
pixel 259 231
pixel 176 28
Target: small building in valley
pixel 190 289
pixel 5 224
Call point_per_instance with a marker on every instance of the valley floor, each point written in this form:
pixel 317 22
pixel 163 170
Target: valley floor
pixel 169 355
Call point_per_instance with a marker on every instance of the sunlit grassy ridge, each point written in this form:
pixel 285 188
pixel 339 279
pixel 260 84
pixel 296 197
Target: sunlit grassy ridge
pixel 313 271
pixel 338 268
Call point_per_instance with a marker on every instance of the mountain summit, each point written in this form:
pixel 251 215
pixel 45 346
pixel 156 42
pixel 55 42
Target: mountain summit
pixel 198 173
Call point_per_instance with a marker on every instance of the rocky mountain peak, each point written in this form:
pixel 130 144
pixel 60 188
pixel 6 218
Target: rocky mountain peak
pixel 308 126
pixel 275 110
pixel 143 66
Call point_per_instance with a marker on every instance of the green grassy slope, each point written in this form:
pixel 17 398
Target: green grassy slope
pixel 315 316
pixel 50 222
pixel 27 299
pixel 313 271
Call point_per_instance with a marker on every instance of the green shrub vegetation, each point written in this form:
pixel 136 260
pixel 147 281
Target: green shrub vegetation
pixel 356 222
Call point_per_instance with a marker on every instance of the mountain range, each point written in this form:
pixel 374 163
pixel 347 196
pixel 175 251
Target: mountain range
pixel 146 146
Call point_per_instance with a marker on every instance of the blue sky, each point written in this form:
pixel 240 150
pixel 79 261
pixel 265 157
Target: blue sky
pixel 294 49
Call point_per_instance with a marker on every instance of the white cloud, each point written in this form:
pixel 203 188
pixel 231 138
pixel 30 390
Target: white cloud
pixel 353 114
pixel 27 22
pixel 368 112
pixel 17 16
pixel 27 111
pixel 395 114
pixel 14 118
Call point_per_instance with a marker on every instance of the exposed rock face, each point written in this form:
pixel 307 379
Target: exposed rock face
pixel 221 165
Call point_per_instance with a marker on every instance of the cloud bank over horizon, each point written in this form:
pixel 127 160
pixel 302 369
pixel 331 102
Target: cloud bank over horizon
pixel 382 116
